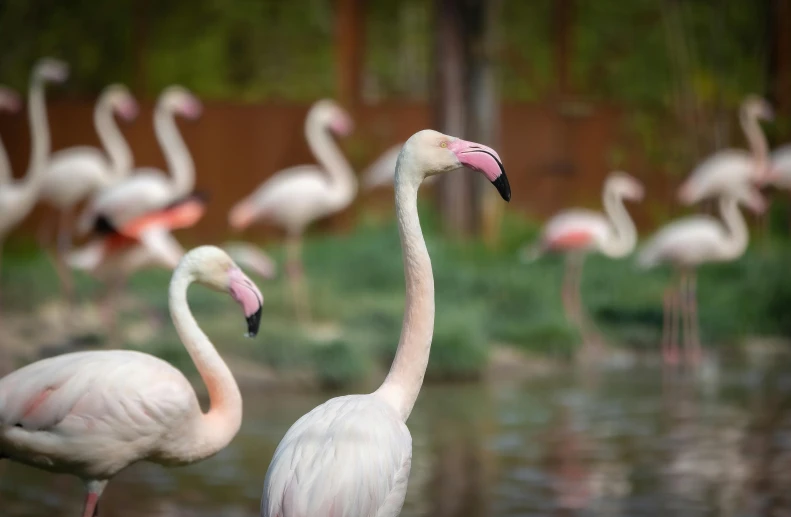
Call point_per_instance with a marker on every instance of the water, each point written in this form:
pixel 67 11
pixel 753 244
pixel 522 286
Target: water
pixel 621 443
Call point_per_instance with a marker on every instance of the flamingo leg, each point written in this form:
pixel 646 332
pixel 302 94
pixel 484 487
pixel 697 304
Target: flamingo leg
pixel 95 489
pixel 686 314
pixel 63 246
pixel 296 275
pixel 671 354
pixel 566 289
pixel 695 351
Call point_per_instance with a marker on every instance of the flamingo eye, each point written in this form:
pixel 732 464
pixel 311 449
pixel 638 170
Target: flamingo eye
pixel 443 144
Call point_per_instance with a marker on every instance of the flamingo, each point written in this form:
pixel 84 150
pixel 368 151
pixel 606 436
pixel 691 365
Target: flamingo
pixel 10 102
pixel 92 414
pixel 150 189
pixel 295 197
pixel 252 258
pixel 75 174
pixel 17 198
pixel 352 455
pixel 145 242
pixel 577 232
pixel 689 242
pixel 781 167
pixel 382 170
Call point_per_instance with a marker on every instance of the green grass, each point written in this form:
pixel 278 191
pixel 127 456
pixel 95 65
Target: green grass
pixel 482 297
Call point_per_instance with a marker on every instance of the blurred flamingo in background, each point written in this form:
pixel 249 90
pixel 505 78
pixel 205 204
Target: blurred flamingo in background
pixel 295 197
pixel 92 414
pixel 142 243
pixel 17 197
pixel 686 244
pixel 577 232
pixel 76 173
pixel 10 102
pixel 352 455
pixel 150 189
pixel 252 258
pixel 381 171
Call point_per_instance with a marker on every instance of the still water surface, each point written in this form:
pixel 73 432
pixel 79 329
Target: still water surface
pixel 619 443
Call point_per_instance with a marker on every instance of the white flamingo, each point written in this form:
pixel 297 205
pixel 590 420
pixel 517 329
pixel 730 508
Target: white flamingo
pixel 352 455
pixel 150 189
pixel 686 244
pixel 728 167
pixel 295 197
pixel 577 232
pixel 18 197
pixel 382 170
pixel 92 414
pixel 10 102
pixel 781 167
pixel 76 173
pixel 252 258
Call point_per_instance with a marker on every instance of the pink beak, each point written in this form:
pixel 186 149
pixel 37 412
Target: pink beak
pixel 484 160
pixel 247 294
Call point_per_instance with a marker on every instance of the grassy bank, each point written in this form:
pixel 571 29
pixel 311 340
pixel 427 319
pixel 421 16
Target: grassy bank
pixel 483 297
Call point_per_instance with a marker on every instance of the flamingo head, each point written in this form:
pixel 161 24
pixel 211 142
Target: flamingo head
pixel 327 113
pixel 756 107
pixel 9 100
pixel 624 186
pixel 429 152
pixel 178 99
pixel 215 269
pixel 50 69
pixel 121 100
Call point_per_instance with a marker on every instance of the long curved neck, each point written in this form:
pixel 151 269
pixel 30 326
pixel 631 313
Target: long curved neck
pixel 736 242
pixel 112 140
pixel 221 423
pixel 624 236
pixel 756 139
pixel 175 150
pixel 343 183
pixel 40 141
pixel 5 166
pixel 402 385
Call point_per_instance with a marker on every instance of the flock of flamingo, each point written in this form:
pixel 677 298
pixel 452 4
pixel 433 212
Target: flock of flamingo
pixel 93 413
pixel 732 176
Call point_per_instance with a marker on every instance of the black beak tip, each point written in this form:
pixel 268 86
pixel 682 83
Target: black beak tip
pixel 502 186
pixel 254 322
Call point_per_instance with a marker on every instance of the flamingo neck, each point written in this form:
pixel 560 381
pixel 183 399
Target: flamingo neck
pixel 624 237
pixel 6 176
pixel 113 141
pixel 220 424
pixel 40 138
pixel 343 184
pixel 737 239
pixel 756 139
pixel 402 385
pixel 177 155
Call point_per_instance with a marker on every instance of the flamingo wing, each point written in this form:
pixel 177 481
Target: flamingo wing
pixel 351 456
pixel 575 229
pixel 687 241
pixel 722 173
pixel 781 162
pixel 382 170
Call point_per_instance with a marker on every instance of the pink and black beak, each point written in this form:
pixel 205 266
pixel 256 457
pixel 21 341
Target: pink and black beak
pixel 484 160
pixel 247 294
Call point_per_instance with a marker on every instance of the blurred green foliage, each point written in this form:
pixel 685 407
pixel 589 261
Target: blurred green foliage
pixel 640 52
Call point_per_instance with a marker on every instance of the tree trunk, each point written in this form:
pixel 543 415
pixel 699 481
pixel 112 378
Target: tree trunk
pixel 349 45
pixel 456 190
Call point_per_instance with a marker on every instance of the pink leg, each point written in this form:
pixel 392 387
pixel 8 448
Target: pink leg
pixel 95 489
pixel 671 354
pixel 694 352
pixel 567 289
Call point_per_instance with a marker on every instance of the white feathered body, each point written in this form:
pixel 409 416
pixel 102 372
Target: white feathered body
pixel 147 190
pixel 688 242
pixel 724 171
pixel 295 197
pixel 94 413
pixel 577 229
pixel 781 163
pixel 349 457
pixel 75 174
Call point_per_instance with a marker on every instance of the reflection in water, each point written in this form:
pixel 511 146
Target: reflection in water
pixel 632 443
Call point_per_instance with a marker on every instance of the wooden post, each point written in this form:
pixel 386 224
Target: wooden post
pixel 349 45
